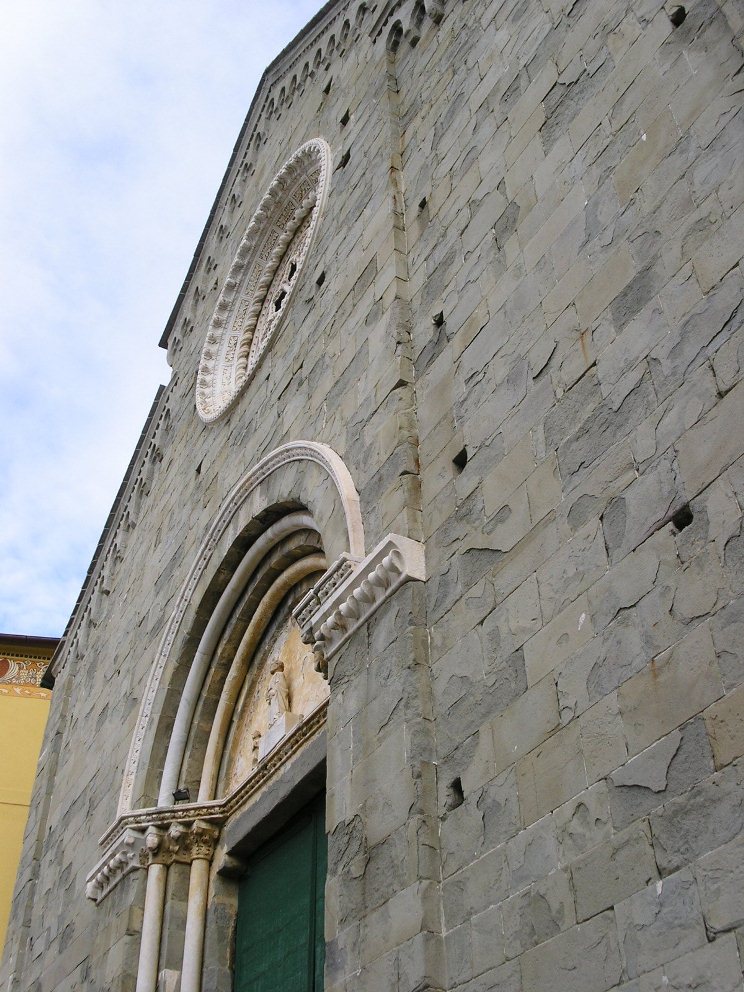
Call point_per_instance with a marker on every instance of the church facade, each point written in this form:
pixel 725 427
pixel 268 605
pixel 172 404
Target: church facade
pixel 411 654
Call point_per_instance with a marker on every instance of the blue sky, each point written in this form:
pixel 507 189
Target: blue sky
pixel 116 124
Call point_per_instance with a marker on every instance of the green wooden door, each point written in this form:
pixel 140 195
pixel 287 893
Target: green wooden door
pixel 279 941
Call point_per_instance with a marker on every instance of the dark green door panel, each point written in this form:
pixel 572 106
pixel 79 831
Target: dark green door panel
pixel 279 938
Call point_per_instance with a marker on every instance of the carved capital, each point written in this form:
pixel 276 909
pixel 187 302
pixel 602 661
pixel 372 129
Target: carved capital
pixel 203 839
pixel 161 843
pixel 351 591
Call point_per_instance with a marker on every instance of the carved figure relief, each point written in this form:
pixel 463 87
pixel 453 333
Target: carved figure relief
pixel 277 694
pixel 281 690
pixel 262 278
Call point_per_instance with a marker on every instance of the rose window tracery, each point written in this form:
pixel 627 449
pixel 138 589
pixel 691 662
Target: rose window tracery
pixel 262 278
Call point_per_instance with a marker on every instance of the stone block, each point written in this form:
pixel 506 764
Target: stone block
pixel 652 147
pixel 725 723
pixel 631 578
pixel 576 566
pixel 481 884
pixel 408 913
pixel 720 252
pixel 638 337
pixel 588 496
pixel 720 879
pixel 712 968
pixel 544 488
pixel 692 400
pixel 508 474
pixel 585 958
pixel 583 822
pixel 460 836
pixel 507 978
pixel 707 816
pixel 532 854
pixel 572 409
pixel 610 659
pixel 614 418
pixel 525 723
pixel 613 870
pixel 666 769
pixel 551 774
pixel 727 628
pixel 728 362
pixel 498 805
pixel 537 913
pixel 605 285
pixel 713 444
pixel 420 964
pixel 674 687
pixel 660 923
pixel 631 517
pixel 602 738
pixel 559 639
pixel 487 940
pixel 705 329
pixel 513 621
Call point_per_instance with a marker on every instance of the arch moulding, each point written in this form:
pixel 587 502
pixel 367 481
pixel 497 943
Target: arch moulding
pixel 242 504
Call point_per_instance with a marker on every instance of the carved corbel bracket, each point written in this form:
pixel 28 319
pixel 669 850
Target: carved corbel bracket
pixel 121 857
pixel 352 590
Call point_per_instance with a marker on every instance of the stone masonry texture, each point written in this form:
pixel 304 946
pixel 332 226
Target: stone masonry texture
pixel 521 326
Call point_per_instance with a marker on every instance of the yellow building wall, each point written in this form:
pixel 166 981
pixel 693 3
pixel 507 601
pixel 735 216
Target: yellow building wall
pixel 22 721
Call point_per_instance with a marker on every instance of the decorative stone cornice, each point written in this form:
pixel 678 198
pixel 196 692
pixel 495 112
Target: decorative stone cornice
pixel 162 843
pixel 351 591
pixel 168 834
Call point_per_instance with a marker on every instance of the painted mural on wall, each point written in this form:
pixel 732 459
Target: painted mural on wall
pixel 21 676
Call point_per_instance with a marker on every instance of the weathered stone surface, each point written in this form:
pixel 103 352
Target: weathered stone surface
pixel 725 723
pixel 660 923
pixel 532 854
pixel 710 814
pixel 538 913
pixel 675 686
pixel 670 767
pixel 613 870
pixel 585 958
pixel 727 628
pixel 583 822
pixel 524 724
pixel 551 774
pixel 707 449
pixel 602 738
pixel 575 567
pixel 719 876
pixel 564 635
pixel 631 518
pixel 713 968
pixel 609 660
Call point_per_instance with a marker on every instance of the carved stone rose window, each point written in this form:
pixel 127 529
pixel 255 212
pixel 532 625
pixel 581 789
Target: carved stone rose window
pixel 262 278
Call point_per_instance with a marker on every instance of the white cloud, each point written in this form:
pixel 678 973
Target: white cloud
pixel 116 124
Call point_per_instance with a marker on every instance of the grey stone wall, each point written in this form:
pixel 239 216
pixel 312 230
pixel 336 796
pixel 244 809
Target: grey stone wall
pixel 527 346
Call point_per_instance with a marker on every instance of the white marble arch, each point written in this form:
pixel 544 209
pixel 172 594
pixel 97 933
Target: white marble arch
pixel 303 473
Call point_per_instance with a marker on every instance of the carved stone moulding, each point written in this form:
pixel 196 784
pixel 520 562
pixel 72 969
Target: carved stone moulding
pixel 262 278
pixel 164 841
pixel 351 591
pixel 168 834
